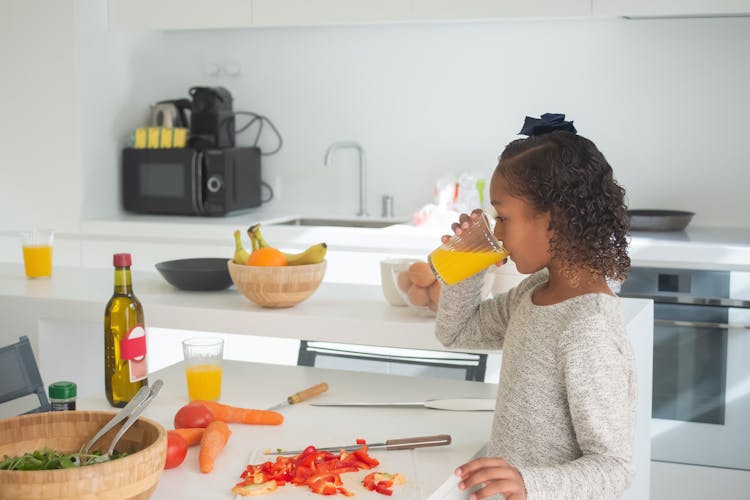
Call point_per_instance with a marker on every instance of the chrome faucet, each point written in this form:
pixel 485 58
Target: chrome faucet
pixel 362 170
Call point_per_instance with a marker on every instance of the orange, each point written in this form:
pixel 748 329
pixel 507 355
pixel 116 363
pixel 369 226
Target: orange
pixel 267 256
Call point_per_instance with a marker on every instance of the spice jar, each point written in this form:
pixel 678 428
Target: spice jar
pixel 62 395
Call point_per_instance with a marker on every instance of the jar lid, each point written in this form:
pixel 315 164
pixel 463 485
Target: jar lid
pixel 62 390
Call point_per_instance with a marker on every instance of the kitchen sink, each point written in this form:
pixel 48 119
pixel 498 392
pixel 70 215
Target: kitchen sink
pixel 368 223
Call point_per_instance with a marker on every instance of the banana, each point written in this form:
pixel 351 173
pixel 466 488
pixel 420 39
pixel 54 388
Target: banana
pixel 312 255
pixel 240 254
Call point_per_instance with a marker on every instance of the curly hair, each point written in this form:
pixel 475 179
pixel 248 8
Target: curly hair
pixel 566 175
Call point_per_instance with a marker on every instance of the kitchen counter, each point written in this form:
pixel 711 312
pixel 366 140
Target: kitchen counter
pixel 347 313
pixel 425 468
pixel 354 253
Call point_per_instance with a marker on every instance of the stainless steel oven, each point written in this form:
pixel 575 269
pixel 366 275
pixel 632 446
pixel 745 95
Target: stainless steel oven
pixel 701 372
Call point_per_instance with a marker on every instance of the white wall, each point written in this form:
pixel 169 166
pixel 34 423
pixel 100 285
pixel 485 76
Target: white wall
pixel 665 100
pixel 39 129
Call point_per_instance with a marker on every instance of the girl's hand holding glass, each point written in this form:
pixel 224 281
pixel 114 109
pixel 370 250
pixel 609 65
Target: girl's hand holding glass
pixel 471 249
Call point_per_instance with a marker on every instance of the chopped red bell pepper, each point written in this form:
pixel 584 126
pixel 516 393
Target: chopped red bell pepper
pixel 319 470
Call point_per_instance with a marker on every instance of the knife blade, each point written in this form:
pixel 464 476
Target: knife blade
pixel 300 396
pixel 390 445
pixel 453 404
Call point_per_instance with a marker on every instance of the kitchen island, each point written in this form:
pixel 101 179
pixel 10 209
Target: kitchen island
pixel 255 385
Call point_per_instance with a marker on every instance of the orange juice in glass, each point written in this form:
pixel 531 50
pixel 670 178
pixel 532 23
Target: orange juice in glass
pixel 37 253
pixel 204 382
pixel 203 358
pixel 466 254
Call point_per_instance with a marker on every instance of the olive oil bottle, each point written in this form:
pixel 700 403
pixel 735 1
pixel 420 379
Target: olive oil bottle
pixel 125 368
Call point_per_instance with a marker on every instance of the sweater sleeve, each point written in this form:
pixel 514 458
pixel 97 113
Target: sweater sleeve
pixel 465 321
pixel 596 365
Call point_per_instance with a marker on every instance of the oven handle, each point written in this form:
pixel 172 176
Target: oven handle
pixel 693 301
pixel 701 324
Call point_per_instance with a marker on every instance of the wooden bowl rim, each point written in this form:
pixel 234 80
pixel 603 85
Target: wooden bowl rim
pixel 284 269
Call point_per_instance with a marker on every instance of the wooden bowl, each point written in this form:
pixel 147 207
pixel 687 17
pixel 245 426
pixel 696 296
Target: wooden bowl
pixel 277 286
pixel 133 476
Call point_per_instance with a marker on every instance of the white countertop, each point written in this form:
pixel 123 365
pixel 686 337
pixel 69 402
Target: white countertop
pixel 345 313
pixel 695 248
pixel 253 385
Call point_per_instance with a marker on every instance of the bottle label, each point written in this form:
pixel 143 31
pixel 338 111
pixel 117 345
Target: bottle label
pixel 133 349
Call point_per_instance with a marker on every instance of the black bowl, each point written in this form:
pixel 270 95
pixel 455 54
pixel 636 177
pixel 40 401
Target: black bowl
pixel 196 274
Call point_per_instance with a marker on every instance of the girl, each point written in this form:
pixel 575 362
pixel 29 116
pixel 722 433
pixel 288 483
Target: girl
pixel 565 413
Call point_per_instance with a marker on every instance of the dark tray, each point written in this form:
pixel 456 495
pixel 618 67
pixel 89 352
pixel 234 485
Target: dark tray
pixel 659 220
pixel 201 274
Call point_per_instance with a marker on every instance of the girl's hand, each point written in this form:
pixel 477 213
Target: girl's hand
pixel 463 223
pixel 495 475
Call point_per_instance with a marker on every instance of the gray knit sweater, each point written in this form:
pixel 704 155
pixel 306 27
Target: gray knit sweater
pixel 565 412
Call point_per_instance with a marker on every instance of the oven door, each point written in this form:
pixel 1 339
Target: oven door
pixel 162 181
pixel 701 387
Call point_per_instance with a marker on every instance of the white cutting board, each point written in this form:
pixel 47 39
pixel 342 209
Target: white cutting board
pixel 402 461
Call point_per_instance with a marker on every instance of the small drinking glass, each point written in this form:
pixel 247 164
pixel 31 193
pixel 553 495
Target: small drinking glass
pixel 466 254
pixel 37 252
pixel 203 357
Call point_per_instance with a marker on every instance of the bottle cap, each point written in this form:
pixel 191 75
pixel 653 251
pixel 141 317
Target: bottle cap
pixel 121 260
pixel 62 390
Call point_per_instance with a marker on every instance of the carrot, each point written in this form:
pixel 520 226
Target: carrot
pixel 192 435
pixel 227 413
pixel 214 439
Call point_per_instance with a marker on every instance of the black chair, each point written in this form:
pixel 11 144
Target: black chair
pixel 455 365
pixel 19 375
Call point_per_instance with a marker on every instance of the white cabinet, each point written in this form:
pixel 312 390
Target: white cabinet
pixel 327 12
pixel 135 15
pixel 488 9
pixel 656 8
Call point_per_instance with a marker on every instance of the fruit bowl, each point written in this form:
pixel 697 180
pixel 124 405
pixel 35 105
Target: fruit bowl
pixel 133 476
pixel 277 286
pixel 417 286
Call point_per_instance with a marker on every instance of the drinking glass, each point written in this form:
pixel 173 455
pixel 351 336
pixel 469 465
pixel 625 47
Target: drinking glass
pixel 37 252
pixel 203 357
pixel 466 254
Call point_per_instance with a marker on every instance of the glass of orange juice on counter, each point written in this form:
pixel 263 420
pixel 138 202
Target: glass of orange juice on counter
pixel 203 356
pixel 466 254
pixel 37 252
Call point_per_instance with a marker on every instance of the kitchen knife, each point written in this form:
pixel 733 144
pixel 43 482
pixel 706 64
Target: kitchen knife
pixel 300 396
pixel 391 444
pixel 455 404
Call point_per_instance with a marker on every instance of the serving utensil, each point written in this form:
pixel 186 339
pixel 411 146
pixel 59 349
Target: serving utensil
pixel 391 444
pixel 300 396
pixel 453 404
pixel 131 412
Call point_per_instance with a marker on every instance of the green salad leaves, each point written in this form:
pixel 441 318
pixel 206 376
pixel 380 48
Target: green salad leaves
pixel 47 459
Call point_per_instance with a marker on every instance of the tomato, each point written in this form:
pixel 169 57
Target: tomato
pixel 176 450
pixel 193 415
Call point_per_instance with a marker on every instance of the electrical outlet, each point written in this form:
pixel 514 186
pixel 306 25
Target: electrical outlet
pixel 233 69
pixel 277 187
pixel 211 69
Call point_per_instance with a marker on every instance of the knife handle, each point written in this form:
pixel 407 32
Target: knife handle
pixel 418 442
pixel 307 393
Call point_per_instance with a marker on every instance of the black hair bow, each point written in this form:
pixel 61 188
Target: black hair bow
pixel 549 122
